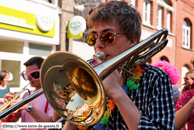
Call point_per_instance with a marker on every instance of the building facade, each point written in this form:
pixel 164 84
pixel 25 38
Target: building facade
pixel 27 28
pixel 177 17
pixel 184 36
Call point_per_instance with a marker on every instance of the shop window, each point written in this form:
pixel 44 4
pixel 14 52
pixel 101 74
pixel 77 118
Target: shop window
pixel 186 34
pixel 11 46
pixel 39 50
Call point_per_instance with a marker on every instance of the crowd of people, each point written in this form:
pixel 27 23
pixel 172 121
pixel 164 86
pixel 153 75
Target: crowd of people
pixel 149 103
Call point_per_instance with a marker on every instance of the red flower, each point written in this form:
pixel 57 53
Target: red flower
pixel 13 117
pixel 91 10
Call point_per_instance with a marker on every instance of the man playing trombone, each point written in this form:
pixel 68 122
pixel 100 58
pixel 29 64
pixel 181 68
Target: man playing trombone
pixel 143 102
pixel 37 110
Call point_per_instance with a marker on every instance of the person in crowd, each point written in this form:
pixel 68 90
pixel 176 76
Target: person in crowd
pixel 174 76
pixel 188 79
pixel 184 118
pixel 146 103
pixel 37 110
pixel 4 88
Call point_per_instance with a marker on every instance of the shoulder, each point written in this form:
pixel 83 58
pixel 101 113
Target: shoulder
pixel 175 88
pixel 154 71
pixel 156 79
pixel 176 92
pixel 188 93
pixel 184 98
pixel 27 93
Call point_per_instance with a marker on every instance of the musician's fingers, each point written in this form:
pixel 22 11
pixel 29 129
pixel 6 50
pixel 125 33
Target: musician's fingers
pixel 96 59
pixel 9 93
pixel 13 103
pixel 16 111
pixel 17 100
pixel 8 96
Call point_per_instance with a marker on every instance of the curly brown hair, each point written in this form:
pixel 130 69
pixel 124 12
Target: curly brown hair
pixel 125 15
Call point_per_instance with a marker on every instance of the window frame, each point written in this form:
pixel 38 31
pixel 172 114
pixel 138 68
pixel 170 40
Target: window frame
pixel 186 39
pixel 146 5
pixel 133 3
pixel 159 23
pixel 168 15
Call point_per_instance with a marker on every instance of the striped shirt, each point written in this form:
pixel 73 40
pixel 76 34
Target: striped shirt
pixel 153 98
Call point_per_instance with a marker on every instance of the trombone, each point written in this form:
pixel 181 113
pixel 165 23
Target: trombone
pixel 74 88
pixel 6 105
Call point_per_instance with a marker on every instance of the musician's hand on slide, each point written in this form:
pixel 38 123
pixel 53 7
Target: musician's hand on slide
pixel 24 107
pixel 8 96
pixel 112 82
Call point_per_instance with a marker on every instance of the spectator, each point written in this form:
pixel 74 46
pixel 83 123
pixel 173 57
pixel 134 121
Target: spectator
pixel 4 88
pixel 184 118
pixel 37 110
pixel 188 79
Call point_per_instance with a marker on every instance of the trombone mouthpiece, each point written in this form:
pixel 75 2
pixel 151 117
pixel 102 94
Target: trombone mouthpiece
pixel 99 54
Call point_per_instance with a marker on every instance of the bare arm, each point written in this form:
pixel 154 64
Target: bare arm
pixel 175 100
pixel 35 113
pixel 55 116
pixel 183 114
pixel 127 108
pixel 38 116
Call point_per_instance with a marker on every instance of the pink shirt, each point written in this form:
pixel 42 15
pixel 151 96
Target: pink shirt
pixel 39 103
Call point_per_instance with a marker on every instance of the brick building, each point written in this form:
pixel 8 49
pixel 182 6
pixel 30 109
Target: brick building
pixel 175 15
pixel 184 35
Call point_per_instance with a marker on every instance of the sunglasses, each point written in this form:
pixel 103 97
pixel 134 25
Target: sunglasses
pixel 107 38
pixel 35 75
pixel 185 78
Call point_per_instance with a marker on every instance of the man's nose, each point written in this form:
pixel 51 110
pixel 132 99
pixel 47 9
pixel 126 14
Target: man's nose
pixel 99 43
pixel 28 77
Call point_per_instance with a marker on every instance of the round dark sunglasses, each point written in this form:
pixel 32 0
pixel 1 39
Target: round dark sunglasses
pixel 107 38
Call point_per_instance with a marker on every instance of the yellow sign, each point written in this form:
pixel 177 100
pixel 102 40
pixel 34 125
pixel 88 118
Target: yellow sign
pixel 17 20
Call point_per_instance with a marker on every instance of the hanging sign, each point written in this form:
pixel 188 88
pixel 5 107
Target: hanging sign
pixel 77 25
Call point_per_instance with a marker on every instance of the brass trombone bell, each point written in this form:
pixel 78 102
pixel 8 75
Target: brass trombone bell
pixel 73 88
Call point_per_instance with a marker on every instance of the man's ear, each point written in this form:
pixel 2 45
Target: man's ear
pixel 133 40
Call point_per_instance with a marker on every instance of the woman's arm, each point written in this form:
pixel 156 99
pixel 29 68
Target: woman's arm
pixel 183 114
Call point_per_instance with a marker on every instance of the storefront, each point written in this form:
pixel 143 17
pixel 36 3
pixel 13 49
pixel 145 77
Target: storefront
pixel 27 29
